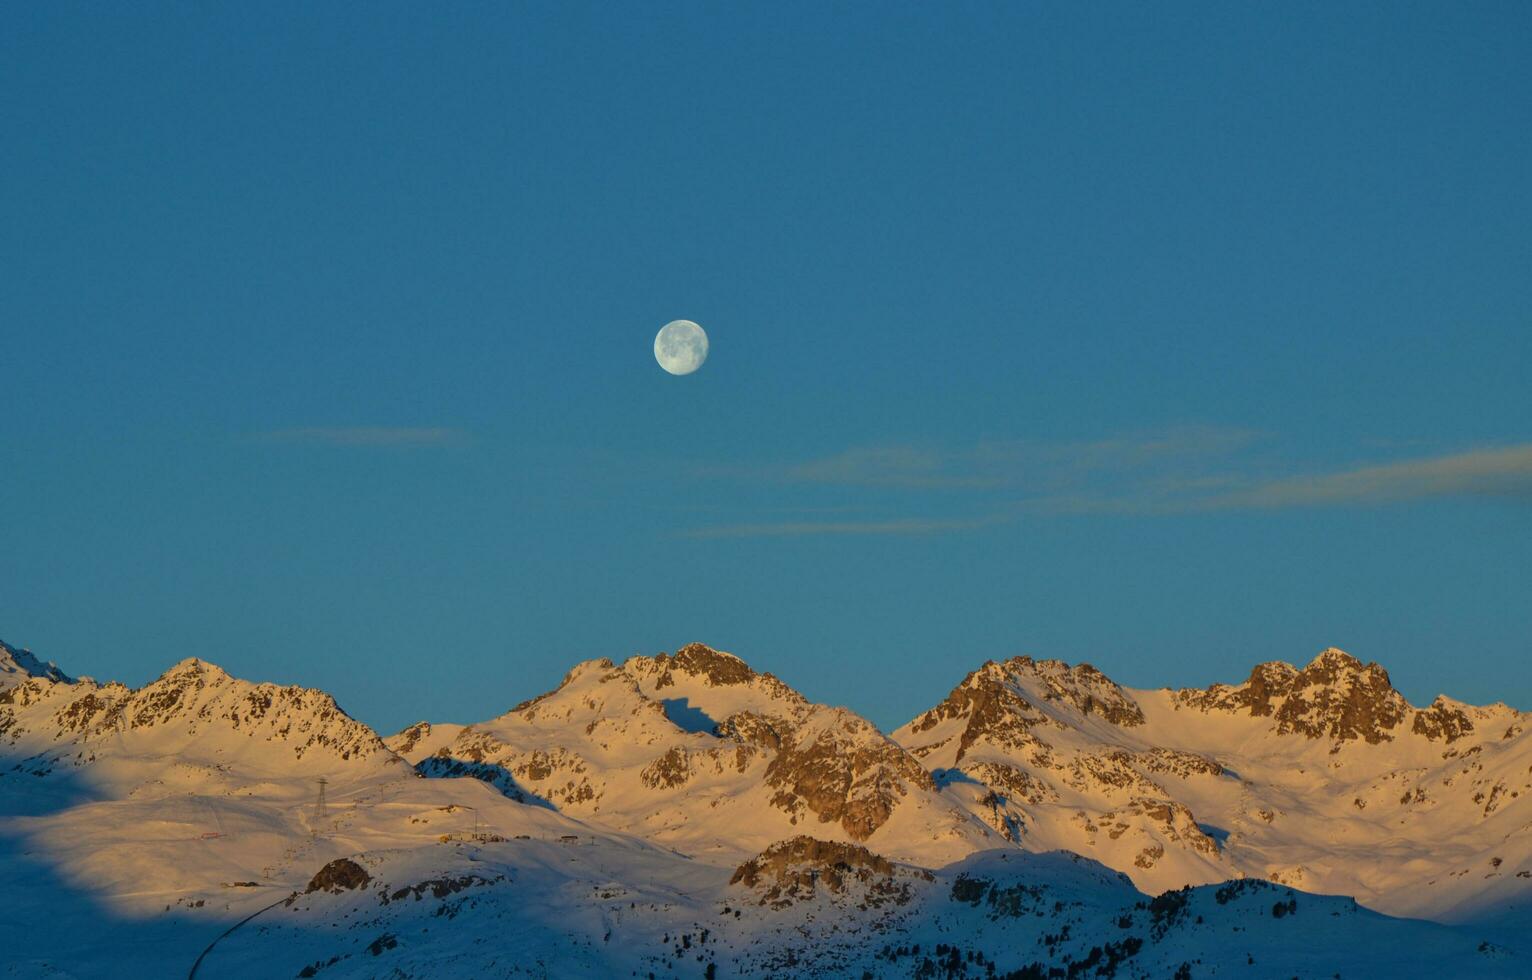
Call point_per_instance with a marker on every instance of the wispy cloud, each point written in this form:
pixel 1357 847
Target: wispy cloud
pixel 992 465
pixel 1502 472
pixel 367 435
pixel 804 528
pixel 1186 470
pixel 889 466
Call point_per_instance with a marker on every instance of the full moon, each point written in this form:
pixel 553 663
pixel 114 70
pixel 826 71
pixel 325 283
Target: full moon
pixel 680 347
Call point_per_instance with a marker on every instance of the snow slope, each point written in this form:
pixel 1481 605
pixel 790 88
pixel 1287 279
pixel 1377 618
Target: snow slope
pixel 607 907
pixel 674 813
pixel 1323 778
pixel 701 753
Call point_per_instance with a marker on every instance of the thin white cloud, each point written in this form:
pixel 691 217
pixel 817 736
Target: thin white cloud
pixel 888 466
pixel 1179 471
pixel 1503 472
pixel 806 528
pixel 991 465
pixel 367 435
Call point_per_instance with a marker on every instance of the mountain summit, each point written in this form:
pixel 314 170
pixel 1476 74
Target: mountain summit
pixel 17 665
pixel 697 748
pixel 1335 697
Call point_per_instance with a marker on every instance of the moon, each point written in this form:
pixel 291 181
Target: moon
pixel 680 346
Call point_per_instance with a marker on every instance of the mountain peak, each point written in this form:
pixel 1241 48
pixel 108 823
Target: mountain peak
pixel 18 664
pixel 1001 703
pixel 722 679
pixel 719 668
pixel 1335 659
pixel 1334 696
pixel 1337 668
pixel 193 670
pixel 703 650
pixel 195 710
pixel 1082 687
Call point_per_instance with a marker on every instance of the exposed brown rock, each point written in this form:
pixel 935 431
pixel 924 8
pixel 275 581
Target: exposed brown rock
pixel 341 874
pixel 993 711
pixel 1268 682
pixel 824 763
pixel 1442 720
pixel 1087 689
pixel 1170 820
pixel 1338 697
pixel 668 771
pixel 1013 783
pixel 720 669
pixel 848 774
pixel 1110 770
pixel 411 736
pixel 304 718
pixel 438 887
pixel 1335 696
pixel 753 729
pixel 715 667
pixel 994 704
pixel 1149 856
pixel 1178 763
pixel 793 870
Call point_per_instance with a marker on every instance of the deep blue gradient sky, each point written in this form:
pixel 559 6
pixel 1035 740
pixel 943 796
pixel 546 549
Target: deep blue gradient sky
pixel 1168 338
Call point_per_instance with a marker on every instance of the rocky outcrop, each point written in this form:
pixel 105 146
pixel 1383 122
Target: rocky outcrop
pixel 796 870
pixel 718 668
pixel 438 887
pixel 1175 762
pixel 1013 784
pixel 1112 773
pixel 341 874
pixel 1445 719
pixel 668 771
pixel 1170 819
pixel 844 772
pixel 988 707
pixel 1259 696
pixel 1083 688
pixel 712 668
pixel 1002 703
pixel 1336 697
pixel 825 764
pixel 405 741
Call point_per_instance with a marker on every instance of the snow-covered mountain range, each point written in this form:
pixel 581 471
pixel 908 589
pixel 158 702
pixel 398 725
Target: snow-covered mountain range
pixel 685 815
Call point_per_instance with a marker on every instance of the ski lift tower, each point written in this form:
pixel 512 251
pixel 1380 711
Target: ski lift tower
pixel 319 809
pixel 478 833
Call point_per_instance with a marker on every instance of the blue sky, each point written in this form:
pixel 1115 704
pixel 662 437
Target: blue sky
pixel 1170 339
